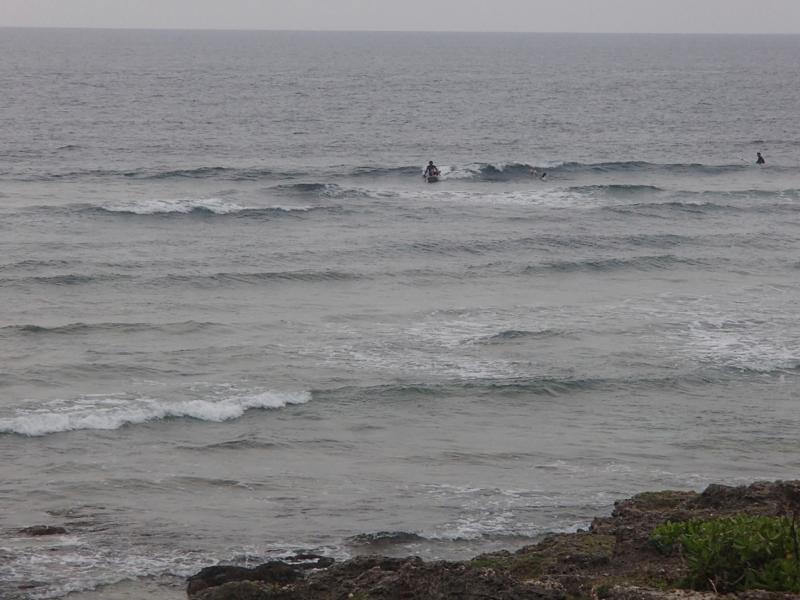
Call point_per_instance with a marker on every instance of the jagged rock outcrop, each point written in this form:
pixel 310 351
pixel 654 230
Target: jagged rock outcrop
pixel 614 560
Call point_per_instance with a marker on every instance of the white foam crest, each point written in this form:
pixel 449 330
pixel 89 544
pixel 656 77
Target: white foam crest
pixel 548 164
pixel 84 567
pixel 154 206
pixel 403 359
pixel 474 170
pixel 500 499
pixel 289 208
pixel 473 528
pixel 442 348
pixel 499 526
pixel 111 413
pixel 755 348
pixel 498 512
pixel 458 172
pixel 547 197
pixel 753 330
pixel 87 566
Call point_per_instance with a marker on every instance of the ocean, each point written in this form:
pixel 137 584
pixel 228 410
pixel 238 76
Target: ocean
pixel 236 323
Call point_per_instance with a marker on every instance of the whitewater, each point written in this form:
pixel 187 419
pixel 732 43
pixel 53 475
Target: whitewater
pixel 235 323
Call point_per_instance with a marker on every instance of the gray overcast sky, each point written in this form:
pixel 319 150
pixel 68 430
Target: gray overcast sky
pixel 684 16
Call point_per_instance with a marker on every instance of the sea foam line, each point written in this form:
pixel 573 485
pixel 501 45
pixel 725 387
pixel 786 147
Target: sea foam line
pixel 188 206
pixel 153 206
pixel 113 413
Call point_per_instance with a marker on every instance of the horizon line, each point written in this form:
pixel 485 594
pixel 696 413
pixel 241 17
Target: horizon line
pixel 447 31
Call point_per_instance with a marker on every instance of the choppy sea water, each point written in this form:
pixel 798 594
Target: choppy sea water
pixel 235 323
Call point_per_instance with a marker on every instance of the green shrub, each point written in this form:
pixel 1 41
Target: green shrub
pixel 735 553
pixel 603 591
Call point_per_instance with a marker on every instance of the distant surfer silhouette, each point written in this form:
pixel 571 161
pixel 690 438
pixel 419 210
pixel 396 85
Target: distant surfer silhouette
pixel 431 170
pixel 760 160
pixel 535 173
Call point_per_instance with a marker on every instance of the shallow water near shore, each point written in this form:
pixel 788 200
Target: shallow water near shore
pixel 236 324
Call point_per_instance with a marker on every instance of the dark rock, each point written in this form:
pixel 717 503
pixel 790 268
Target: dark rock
pixel 324 562
pixel 310 561
pixel 271 572
pixel 559 554
pixel 379 578
pixel 384 538
pixel 245 590
pixel 614 560
pixel 765 595
pixel 638 593
pixel 760 498
pixel 41 530
pixel 216 576
pixel 276 572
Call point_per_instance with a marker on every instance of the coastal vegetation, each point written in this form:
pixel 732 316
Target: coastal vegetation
pixel 669 545
pixel 733 554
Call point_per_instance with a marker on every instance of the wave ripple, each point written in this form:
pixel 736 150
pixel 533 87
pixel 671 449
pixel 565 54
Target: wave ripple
pixel 114 412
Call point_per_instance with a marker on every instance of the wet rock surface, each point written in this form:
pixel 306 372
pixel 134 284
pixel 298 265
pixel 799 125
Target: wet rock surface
pixel 384 538
pixel 613 560
pixel 271 572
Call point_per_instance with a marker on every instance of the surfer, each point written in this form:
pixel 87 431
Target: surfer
pixel 760 160
pixel 431 170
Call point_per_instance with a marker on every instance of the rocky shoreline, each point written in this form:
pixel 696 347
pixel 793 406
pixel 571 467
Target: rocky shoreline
pixel 614 559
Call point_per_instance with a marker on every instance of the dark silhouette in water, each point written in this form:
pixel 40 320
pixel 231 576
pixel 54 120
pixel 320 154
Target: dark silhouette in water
pixel 431 170
pixel 760 160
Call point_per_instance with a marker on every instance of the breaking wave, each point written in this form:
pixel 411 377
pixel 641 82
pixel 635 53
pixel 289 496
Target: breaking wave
pixel 113 413
pixel 501 171
pixel 208 206
pixel 325 190
pixel 523 171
